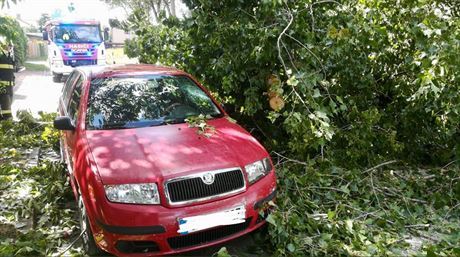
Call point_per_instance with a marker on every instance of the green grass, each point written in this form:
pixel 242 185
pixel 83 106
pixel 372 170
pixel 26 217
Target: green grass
pixel 40 58
pixel 35 67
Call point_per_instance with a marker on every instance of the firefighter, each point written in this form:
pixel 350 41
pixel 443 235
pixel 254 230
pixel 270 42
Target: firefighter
pixel 6 78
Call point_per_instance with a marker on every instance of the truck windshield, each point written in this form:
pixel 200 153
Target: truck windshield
pixel 133 102
pixel 76 33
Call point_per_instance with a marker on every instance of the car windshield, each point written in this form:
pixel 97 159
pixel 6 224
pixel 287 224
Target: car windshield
pixel 133 102
pixel 74 33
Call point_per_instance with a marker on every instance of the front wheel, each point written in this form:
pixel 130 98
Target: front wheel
pixel 89 245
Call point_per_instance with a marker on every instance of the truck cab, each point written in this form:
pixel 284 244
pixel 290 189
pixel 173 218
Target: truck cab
pixel 72 44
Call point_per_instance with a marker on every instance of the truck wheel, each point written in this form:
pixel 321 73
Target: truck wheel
pixel 89 245
pixel 57 77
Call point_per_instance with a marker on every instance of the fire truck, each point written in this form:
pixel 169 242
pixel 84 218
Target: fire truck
pixel 72 44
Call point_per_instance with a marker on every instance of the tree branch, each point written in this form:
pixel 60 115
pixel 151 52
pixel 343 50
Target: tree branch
pixel 380 165
pixel 154 10
pixel 278 42
pixel 311 52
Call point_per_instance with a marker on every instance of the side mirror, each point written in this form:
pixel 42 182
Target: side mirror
pixel 45 35
pixel 63 123
pixel 106 35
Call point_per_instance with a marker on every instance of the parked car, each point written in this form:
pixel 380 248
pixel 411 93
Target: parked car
pixel 145 181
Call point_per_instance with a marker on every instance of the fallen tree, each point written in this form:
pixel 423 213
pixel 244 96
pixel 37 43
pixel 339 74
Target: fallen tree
pixel 334 88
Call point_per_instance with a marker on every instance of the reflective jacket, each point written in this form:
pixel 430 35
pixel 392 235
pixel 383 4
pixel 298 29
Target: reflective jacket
pixel 6 71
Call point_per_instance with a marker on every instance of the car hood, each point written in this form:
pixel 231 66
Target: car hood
pixel 155 154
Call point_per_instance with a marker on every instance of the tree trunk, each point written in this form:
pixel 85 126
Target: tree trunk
pixel 173 7
pixel 168 10
pixel 154 10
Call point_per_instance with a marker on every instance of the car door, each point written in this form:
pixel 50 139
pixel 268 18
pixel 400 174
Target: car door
pixel 62 109
pixel 72 105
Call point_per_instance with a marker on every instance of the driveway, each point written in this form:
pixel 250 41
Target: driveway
pixel 35 91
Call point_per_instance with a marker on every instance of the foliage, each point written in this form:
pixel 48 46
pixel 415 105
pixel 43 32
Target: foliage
pixel 378 212
pixel 35 67
pixel 336 86
pixel 44 18
pixel 11 29
pixel 201 123
pixel 115 23
pixel 156 9
pixel 34 196
pixel 7 3
pixel 223 252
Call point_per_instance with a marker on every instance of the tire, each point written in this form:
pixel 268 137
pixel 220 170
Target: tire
pixel 89 245
pixel 57 77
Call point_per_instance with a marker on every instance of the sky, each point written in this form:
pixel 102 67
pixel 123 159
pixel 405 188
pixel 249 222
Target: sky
pixel 31 10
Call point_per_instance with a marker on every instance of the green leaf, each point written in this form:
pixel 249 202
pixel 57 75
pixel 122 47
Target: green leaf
pixel 430 252
pixel 223 252
pixel 292 81
pixel 326 236
pixel 349 225
pixel 456 251
pixel 271 220
pixel 330 215
pixel 316 93
pixel 345 189
pixel 291 247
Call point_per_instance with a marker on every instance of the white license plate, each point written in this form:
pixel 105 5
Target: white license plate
pixel 232 216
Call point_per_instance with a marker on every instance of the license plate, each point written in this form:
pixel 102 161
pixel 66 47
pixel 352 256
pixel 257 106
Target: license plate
pixel 232 216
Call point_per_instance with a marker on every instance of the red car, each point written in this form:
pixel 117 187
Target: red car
pixel 146 182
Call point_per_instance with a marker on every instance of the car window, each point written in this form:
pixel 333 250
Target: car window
pixel 66 90
pixel 72 110
pixel 140 101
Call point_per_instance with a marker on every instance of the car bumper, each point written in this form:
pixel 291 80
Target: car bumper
pixel 154 229
pixel 63 69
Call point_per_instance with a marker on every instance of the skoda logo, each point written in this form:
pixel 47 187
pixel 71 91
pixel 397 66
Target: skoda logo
pixel 208 178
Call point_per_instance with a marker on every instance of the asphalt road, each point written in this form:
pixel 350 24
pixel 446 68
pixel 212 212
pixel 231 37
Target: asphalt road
pixel 35 91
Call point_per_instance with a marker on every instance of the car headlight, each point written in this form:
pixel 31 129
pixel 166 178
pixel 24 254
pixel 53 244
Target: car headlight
pixel 133 193
pixel 258 169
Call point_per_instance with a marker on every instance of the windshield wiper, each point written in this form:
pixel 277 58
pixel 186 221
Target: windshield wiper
pixel 217 115
pixel 174 121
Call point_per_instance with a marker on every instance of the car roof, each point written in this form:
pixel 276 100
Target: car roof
pixel 128 69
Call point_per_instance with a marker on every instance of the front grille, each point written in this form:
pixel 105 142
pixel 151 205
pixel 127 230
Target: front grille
pixel 207 236
pixel 193 188
pixel 75 63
